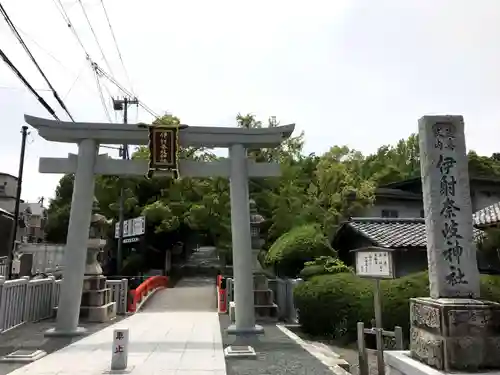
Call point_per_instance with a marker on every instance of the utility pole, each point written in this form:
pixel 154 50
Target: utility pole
pixel 10 254
pixel 119 105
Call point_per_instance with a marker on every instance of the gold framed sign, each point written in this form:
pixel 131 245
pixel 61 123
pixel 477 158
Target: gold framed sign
pixel 163 148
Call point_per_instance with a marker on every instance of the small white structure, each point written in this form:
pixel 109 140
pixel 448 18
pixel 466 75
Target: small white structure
pixel 119 356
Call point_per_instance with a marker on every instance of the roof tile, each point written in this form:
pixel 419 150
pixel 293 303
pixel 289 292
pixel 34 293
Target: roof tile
pixel 488 215
pixel 394 233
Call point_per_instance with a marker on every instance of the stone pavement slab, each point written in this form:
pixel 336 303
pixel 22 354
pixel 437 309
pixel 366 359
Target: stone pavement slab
pixel 178 343
pixel 30 336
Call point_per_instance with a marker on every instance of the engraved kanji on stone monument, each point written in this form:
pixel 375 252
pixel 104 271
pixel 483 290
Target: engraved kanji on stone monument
pixel 451 251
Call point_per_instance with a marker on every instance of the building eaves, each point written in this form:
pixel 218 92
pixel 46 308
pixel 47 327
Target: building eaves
pixel 394 232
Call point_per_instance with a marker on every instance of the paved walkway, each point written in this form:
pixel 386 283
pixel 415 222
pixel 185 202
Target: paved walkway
pixel 167 337
pixel 30 336
pixel 189 294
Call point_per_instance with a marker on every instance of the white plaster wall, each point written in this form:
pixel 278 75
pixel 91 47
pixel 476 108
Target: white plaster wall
pixel 482 199
pixel 406 209
pixel 10 183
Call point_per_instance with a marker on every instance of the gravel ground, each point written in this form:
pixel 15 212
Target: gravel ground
pixel 276 354
pixel 347 352
pixel 31 336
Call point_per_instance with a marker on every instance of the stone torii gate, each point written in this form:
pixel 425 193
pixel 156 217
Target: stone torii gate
pixel 88 163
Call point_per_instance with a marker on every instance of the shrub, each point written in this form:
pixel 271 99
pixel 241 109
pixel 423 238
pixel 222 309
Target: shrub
pixel 133 265
pixel 331 305
pixel 312 270
pixel 324 265
pixel 301 244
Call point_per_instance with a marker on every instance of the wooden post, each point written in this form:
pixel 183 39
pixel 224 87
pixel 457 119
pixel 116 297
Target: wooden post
pixel 380 350
pixel 398 337
pixel 362 354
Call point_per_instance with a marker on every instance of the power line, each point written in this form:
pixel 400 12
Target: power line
pixel 26 83
pixel 95 36
pixel 103 102
pixel 60 7
pixel 100 71
pixel 94 66
pixel 116 45
pixel 75 81
pixel 19 88
pixel 20 39
pixel 68 22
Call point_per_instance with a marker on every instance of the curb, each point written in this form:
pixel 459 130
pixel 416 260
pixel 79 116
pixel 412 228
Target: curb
pixel 144 300
pixel 324 354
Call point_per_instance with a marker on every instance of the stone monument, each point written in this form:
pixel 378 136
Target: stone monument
pixel 452 330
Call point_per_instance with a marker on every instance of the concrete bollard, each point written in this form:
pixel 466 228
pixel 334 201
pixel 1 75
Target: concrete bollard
pixel 119 355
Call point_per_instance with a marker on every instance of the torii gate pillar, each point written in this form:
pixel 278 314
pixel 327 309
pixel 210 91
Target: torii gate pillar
pixel 241 241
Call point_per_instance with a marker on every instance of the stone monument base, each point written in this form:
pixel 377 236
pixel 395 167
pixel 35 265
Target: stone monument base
pixel 265 308
pixel 97 305
pixel 455 334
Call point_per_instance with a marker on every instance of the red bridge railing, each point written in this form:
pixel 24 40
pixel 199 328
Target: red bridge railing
pixel 138 295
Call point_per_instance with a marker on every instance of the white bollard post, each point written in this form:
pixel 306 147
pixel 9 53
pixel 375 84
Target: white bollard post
pixel 119 355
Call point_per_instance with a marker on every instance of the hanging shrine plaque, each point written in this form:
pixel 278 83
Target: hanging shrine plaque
pixel 163 144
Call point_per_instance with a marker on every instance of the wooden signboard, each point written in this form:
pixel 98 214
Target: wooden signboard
pixel 163 147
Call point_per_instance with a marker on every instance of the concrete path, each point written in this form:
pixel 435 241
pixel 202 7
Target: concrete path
pixel 189 294
pixel 178 332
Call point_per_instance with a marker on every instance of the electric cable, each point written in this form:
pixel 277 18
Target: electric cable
pixel 27 84
pixel 103 102
pixel 23 44
pixel 117 47
pixel 68 22
pixel 100 71
pixel 95 36
pixel 96 68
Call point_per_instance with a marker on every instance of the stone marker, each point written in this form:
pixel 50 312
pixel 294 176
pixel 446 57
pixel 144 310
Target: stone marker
pixel 451 251
pixel 452 330
pixel 119 357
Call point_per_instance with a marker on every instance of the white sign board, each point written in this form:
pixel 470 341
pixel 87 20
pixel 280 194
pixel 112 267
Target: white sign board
pixel 376 264
pixel 119 357
pixel 132 227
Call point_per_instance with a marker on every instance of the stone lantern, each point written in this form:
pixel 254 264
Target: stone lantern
pixel 256 221
pixel 96 241
pixel 96 303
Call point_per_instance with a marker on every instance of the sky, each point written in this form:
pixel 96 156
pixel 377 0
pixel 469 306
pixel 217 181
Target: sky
pixel 346 72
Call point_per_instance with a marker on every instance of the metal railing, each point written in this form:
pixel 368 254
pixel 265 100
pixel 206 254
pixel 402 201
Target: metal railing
pixel 12 303
pixel 39 302
pixel 25 300
pixel 119 293
pixel 3 266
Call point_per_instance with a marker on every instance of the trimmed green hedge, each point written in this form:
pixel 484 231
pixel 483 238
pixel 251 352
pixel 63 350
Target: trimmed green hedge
pixel 300 245
pixel 331 305
pixel 324 265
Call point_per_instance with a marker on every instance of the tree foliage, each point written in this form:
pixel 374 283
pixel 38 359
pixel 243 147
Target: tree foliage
pixel 313 189
pixel 300 245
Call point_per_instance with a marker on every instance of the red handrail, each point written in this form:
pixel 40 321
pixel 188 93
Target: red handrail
pixel 147 286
